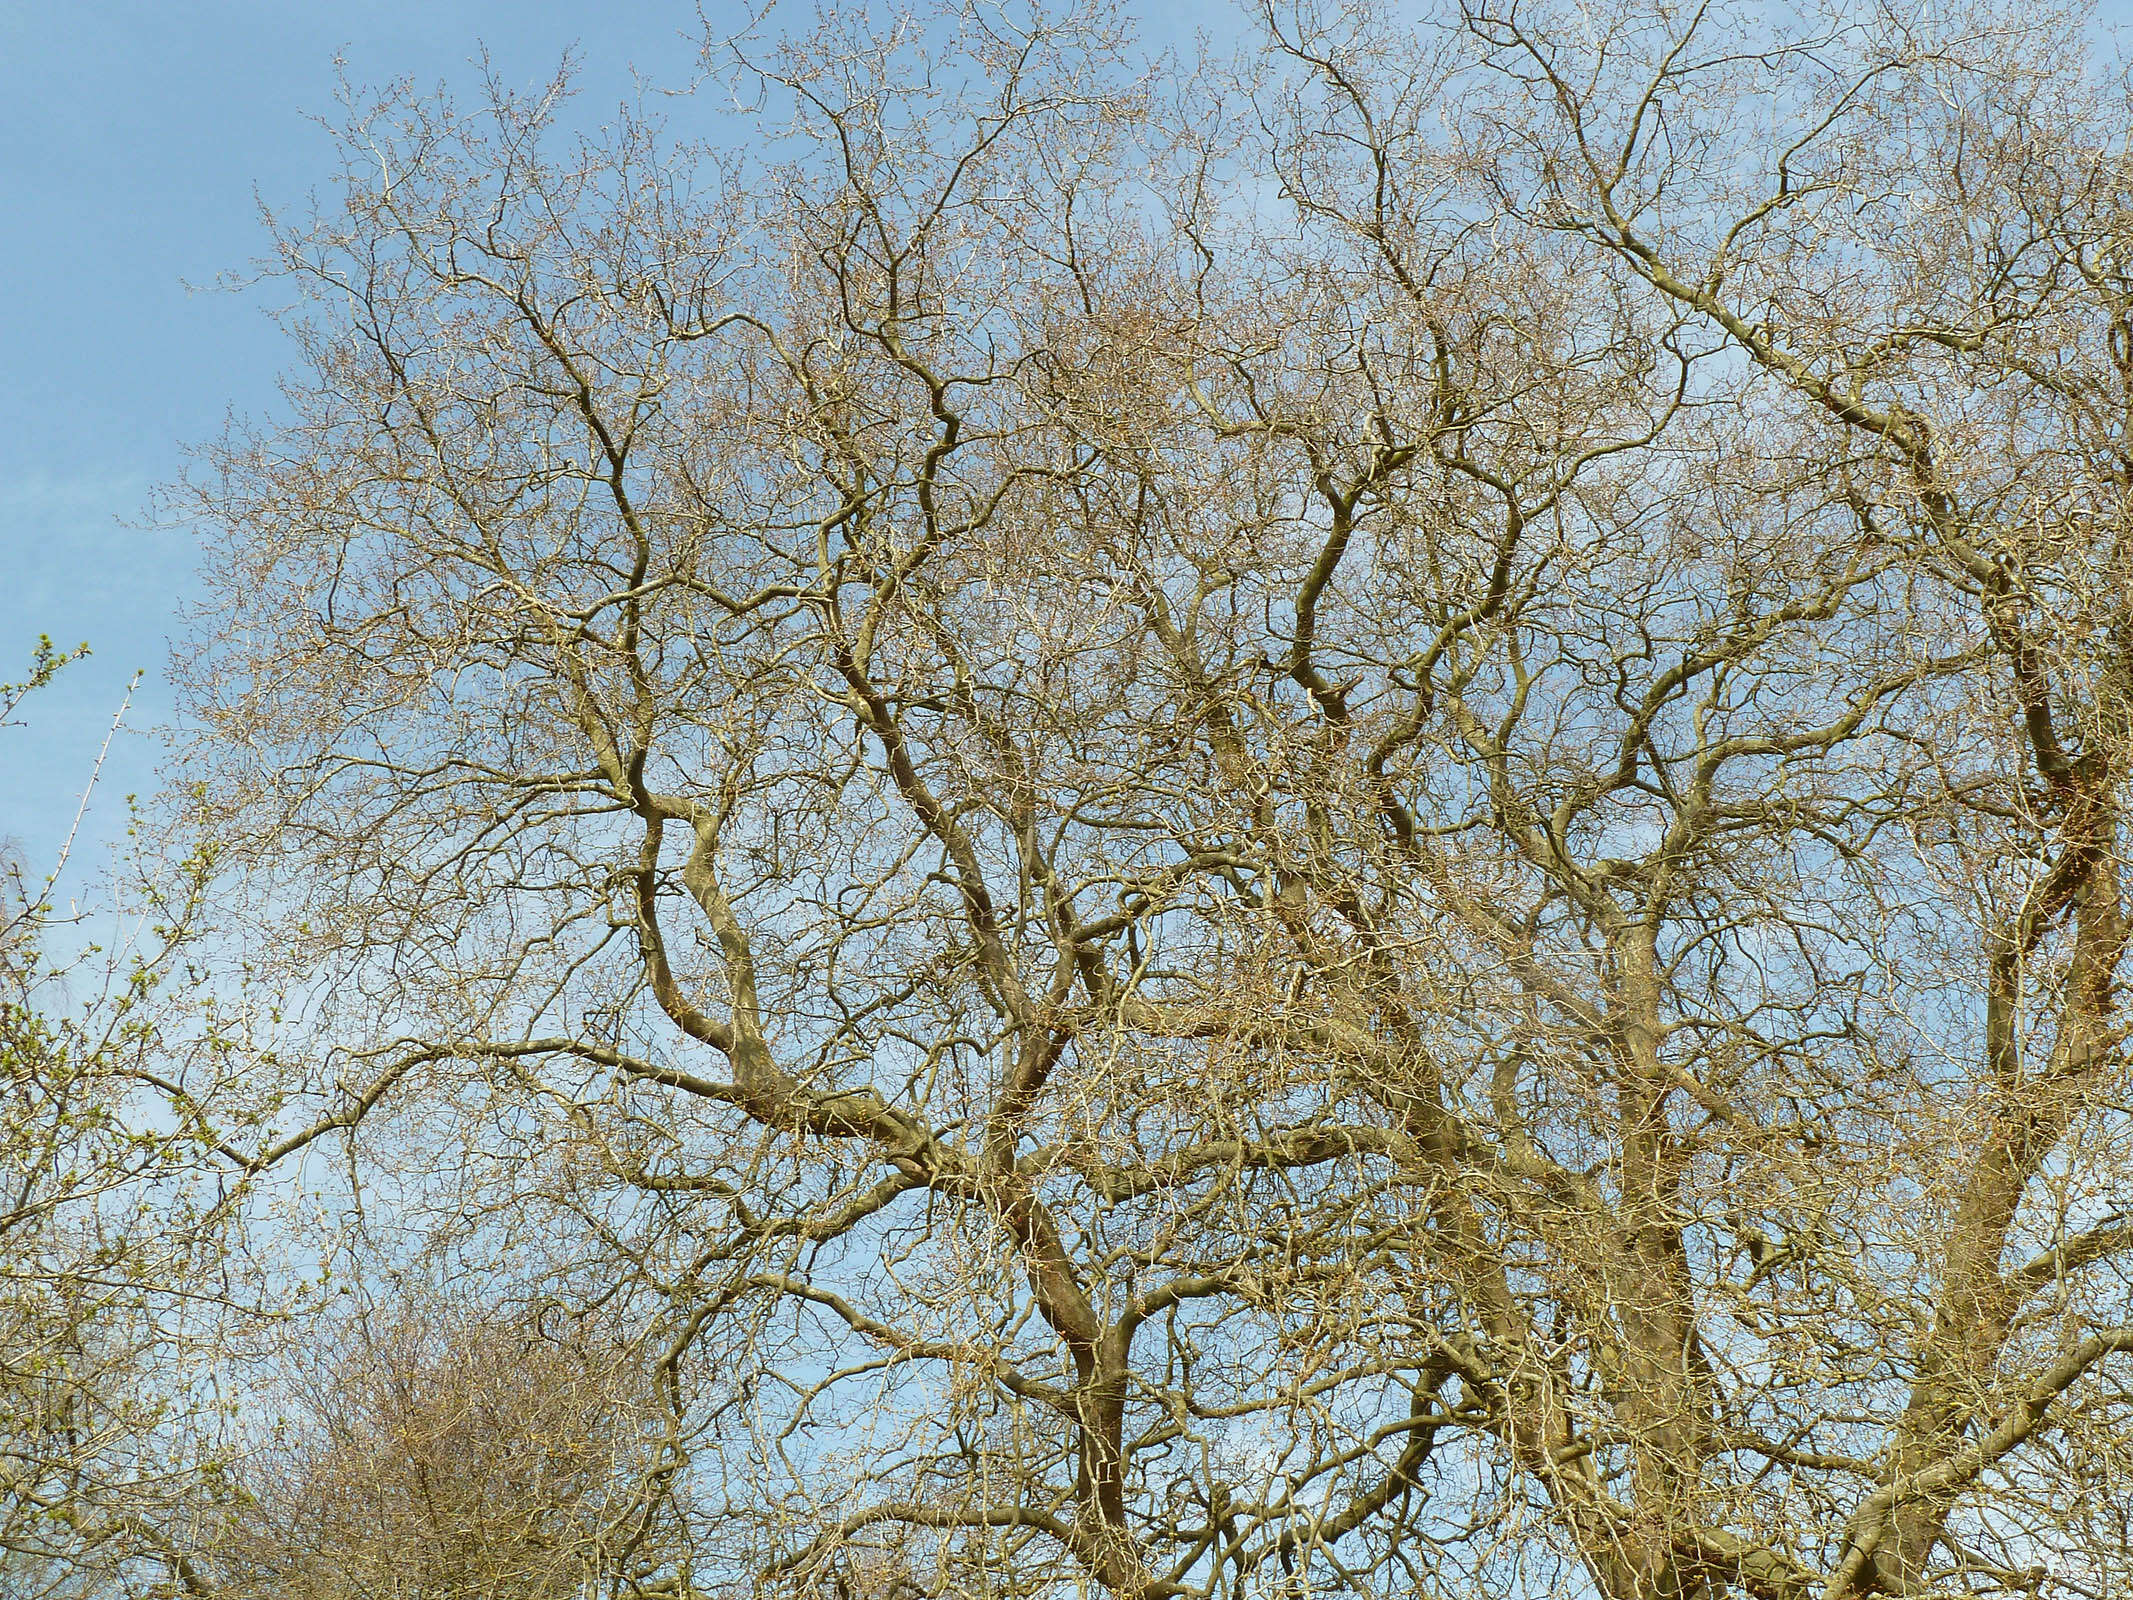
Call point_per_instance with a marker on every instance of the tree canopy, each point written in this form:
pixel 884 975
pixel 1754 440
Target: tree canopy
pixel 1349 820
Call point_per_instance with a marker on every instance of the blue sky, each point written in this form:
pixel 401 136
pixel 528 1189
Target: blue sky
pixel 137 139
pixel 136 142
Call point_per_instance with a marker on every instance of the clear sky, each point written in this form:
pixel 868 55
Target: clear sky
pixel 137 139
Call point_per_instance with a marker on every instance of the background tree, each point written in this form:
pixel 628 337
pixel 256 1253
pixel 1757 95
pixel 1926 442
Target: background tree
pixel 117 1277
pixel 1348 825
pixel 434 1449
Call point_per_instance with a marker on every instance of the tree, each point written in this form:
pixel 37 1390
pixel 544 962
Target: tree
pixel 1349 825
pixel 437 1450
pixel 116 1229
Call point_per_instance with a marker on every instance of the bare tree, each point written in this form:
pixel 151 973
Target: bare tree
pixel 1347 825
pixel 431 1449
